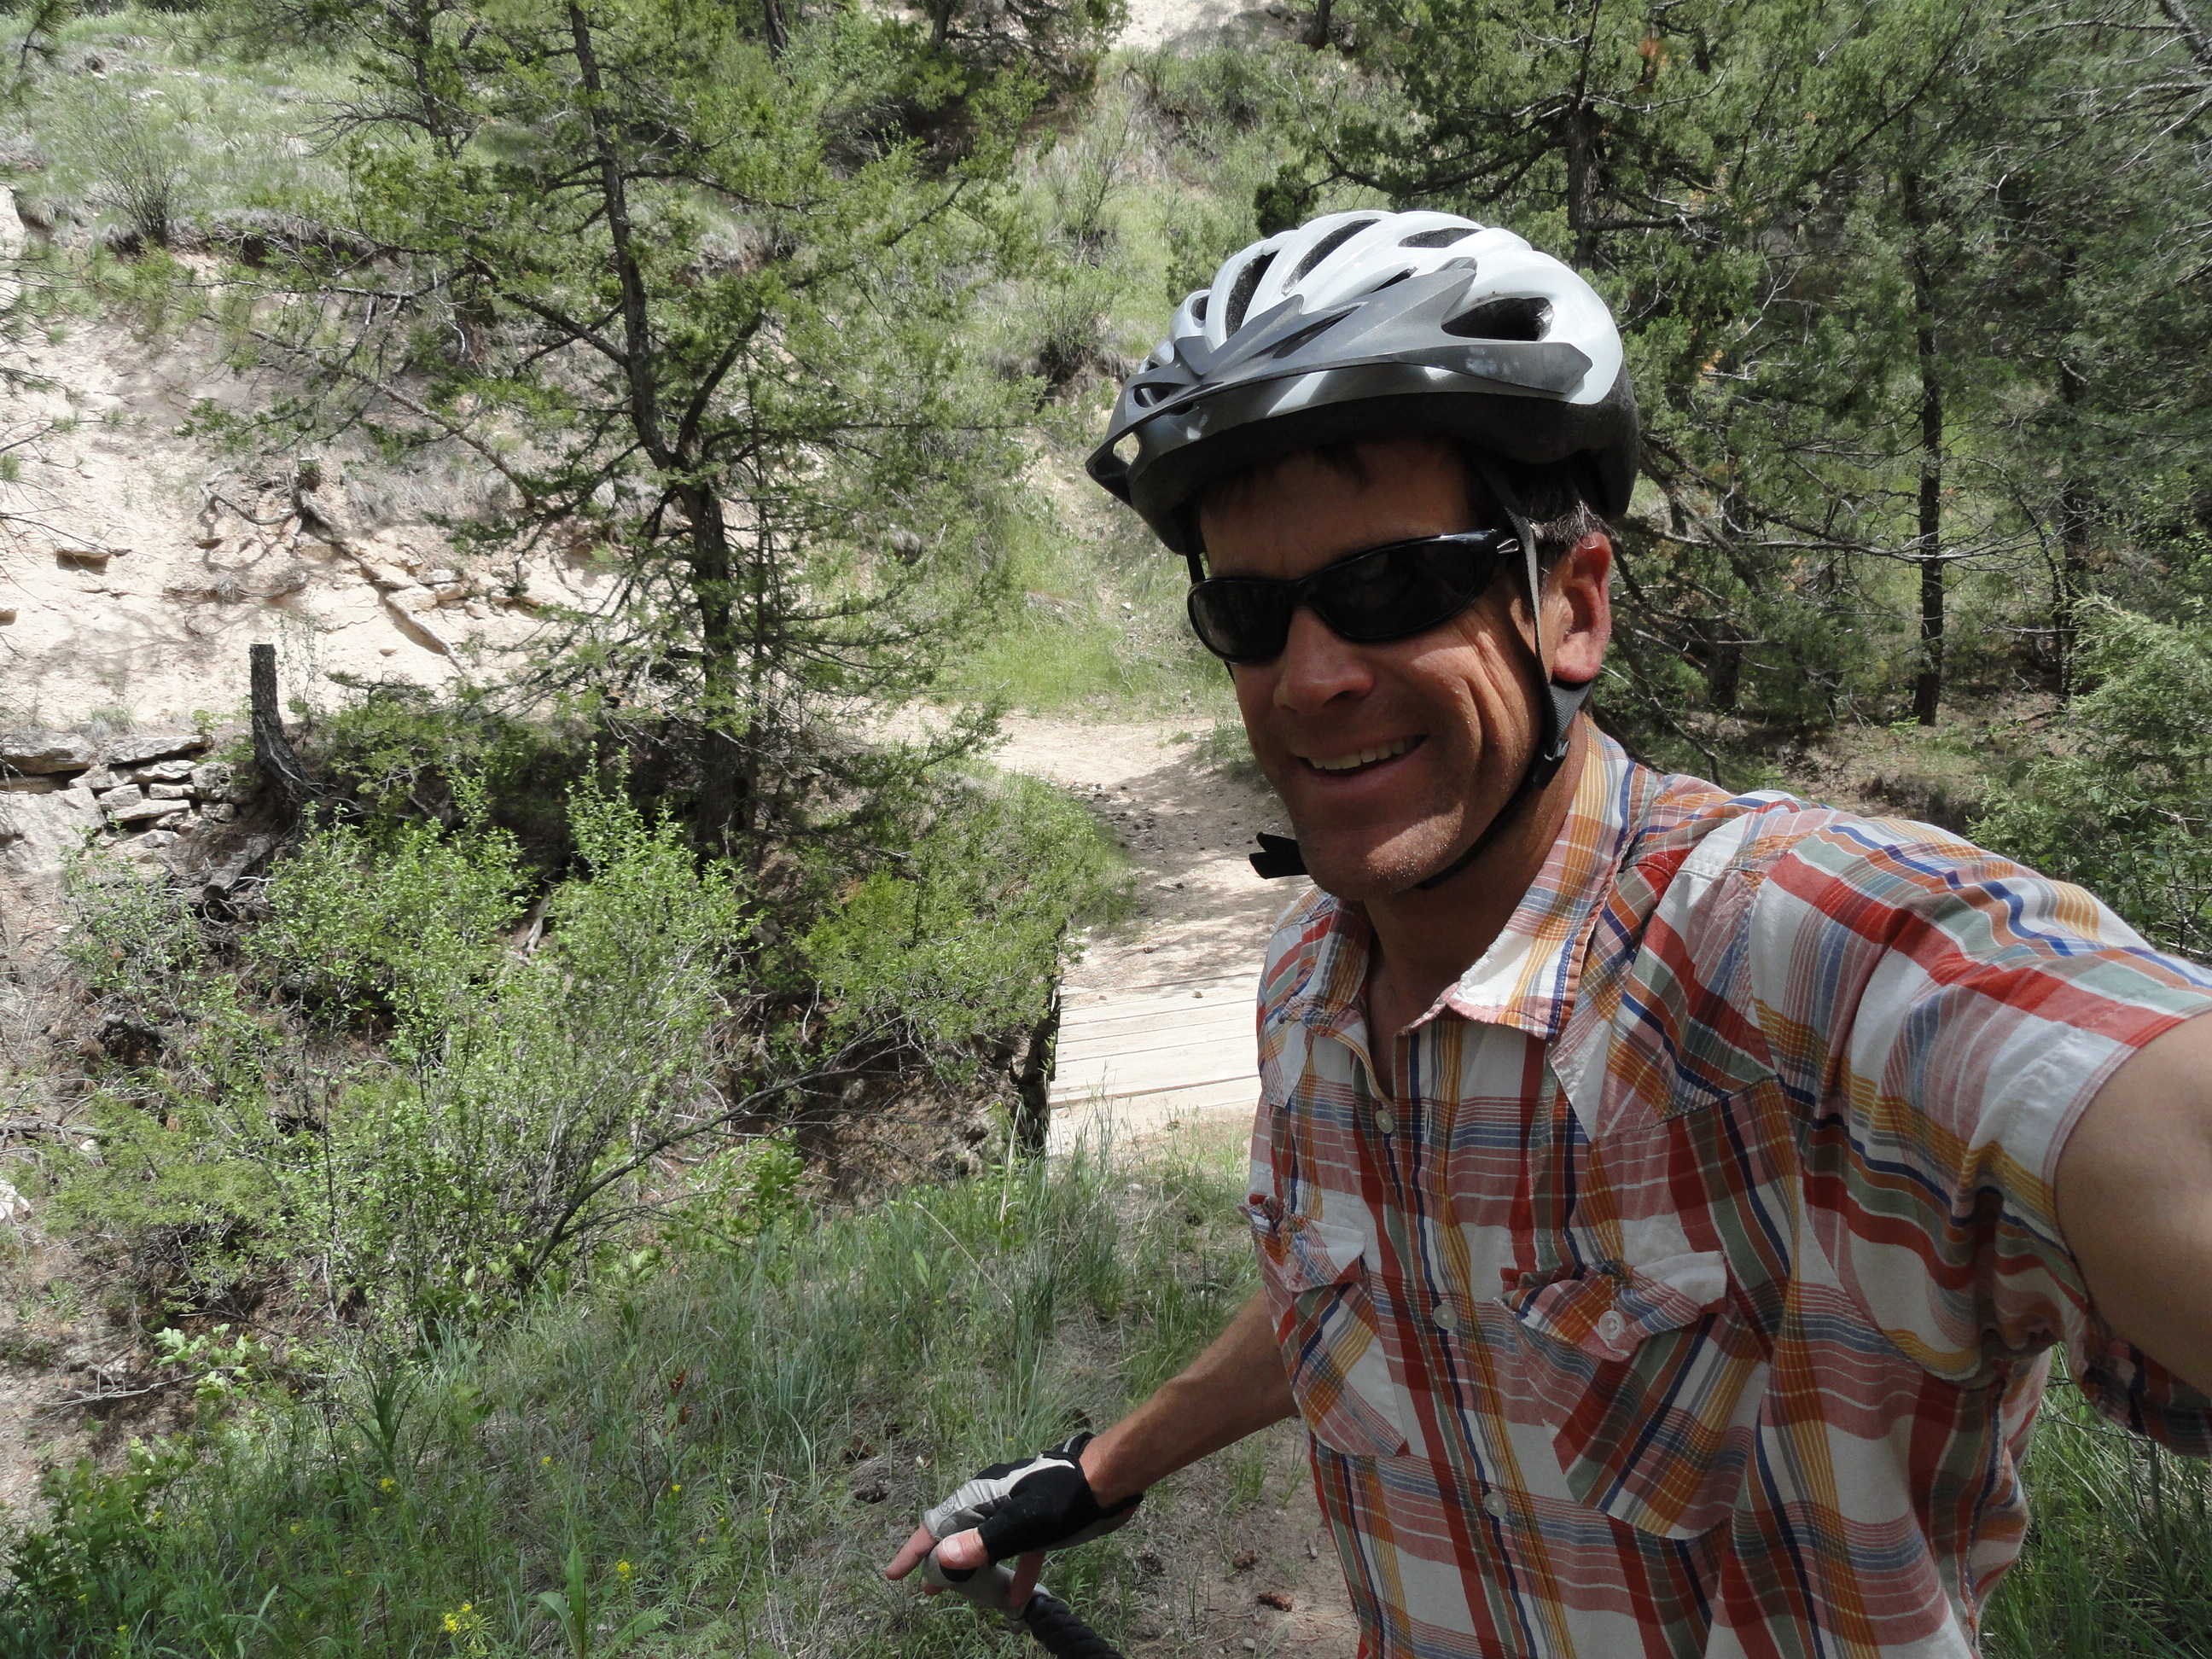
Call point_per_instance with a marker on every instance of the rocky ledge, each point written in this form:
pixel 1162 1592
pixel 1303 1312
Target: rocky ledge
pixel 60 791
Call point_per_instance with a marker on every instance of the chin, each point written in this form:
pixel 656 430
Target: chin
pixel 1357 869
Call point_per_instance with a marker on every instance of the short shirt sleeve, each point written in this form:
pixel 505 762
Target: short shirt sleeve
pixel 1941 1018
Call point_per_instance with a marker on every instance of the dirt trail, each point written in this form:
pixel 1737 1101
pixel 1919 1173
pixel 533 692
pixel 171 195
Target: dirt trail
pixel 1262 1580
pixel 1187 825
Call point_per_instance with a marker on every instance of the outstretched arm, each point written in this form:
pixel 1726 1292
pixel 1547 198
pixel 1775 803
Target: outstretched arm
pixel 1236 1387
pixel 2134 1200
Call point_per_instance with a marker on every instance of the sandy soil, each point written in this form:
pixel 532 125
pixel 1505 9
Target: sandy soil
pixel 137 561
pixel 1188 828
pixel 1166 22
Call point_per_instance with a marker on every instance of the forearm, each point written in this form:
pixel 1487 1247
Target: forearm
pixel 1236 1387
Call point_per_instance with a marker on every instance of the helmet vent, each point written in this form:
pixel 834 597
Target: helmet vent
pixel 1512 319
pixel 1198 306
pixel 1248 284
pixel 1443 236
pixel 1329 245
pixel 1305 337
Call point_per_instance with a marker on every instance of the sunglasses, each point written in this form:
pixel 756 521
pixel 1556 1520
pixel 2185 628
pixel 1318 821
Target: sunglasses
pixel 1387 593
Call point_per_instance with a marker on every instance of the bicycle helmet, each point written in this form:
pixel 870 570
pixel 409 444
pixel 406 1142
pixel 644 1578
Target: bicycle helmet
pixel 1373 324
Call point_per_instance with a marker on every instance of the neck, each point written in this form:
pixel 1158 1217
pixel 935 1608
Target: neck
pixel 1424 941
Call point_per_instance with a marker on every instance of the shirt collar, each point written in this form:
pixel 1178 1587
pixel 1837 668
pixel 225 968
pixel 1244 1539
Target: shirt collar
pixel 1528 976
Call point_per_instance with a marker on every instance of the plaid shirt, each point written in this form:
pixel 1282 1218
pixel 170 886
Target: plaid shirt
pixel 1694 1292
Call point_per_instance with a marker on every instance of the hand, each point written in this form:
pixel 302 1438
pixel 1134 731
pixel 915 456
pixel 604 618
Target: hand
pixel 962 1551
pixel 1020 1509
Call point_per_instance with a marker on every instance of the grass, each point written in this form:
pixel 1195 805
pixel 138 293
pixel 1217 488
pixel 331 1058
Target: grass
pixel 1097 626
pixel 675 1462
pixel 238 132
pixel 715 1459
pixel 2118 1560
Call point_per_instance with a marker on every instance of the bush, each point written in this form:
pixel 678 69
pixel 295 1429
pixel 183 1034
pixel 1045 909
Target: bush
pixel 511 1120
pixel 960 941
pixel 2121 801
pixel 138 161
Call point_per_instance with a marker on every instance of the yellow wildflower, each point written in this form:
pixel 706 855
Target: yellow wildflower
pixel 387 1484
pixel 622 1571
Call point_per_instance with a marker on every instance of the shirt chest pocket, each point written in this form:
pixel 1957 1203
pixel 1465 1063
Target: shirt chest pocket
pixel 1326 1326
pixel 1651 1381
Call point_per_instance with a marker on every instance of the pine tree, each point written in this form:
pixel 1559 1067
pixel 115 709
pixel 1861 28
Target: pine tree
pixel 644 267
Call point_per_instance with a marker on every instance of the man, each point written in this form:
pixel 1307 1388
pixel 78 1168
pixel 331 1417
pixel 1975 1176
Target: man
pixel 1667 1203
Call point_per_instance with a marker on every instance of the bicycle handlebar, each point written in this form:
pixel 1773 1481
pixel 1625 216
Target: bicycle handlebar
pixel 1044 1616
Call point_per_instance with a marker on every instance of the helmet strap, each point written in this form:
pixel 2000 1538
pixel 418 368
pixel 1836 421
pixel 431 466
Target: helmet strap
pixel 1555 710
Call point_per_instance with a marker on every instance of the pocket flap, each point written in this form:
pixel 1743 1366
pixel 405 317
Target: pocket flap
pixel 1608 1310
pixel 1308 1254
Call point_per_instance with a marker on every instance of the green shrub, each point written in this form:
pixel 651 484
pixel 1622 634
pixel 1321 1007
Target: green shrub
pixel 408 924
pixel 509 1121
pixel 960 940
pixel 2122 801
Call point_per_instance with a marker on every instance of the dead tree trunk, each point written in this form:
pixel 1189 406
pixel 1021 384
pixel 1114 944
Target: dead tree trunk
pixel 272 752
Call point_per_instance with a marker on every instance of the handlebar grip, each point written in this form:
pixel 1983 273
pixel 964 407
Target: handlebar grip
pixel 1060 1633
pixel 1045 1616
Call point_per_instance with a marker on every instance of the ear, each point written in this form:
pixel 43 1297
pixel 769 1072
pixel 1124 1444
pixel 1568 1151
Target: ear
pixel 1578 608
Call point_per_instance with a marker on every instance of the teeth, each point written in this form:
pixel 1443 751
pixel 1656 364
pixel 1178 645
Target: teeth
pixel 1365 758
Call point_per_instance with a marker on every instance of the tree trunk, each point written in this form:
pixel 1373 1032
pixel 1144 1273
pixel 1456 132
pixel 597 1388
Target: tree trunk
pixel 272 752
pixel 1927 544
pixel 1580 146
pixel 2075 512
pixel 725 782
pixel 779 37
pixel 1319 37
pixel 644 408
pixel 1033 1076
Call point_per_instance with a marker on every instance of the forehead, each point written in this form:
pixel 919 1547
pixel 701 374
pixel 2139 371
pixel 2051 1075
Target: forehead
pixel 1296 514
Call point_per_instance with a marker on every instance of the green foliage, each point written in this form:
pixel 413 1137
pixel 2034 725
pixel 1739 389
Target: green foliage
pixel 675 1463
pixel 100 1528
pixel 780 437
pixel 1899 285
pixel 959 942
pixel 405 927
pixel 2118 1560
pixel 521 1095
pixel 2121 801
pixel 405 753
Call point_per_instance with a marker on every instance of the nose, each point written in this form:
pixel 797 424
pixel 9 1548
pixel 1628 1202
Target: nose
pixel 1317 667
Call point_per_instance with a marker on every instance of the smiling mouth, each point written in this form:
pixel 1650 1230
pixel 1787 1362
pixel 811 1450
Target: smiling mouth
pixel 1338 765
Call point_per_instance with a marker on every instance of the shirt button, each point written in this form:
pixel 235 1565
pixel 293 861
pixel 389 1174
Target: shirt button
pixel 1443 1318
pixel 1610 1325
pixel 1385 1119
pixel 1494 1504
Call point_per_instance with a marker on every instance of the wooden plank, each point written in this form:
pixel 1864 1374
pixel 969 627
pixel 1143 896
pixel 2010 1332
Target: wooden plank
pixel 1085 1044
pixel 1105 1022
pixel 1172 1069
pixel 1121 1120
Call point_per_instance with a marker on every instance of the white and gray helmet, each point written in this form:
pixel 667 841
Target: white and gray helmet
pixel 1369 324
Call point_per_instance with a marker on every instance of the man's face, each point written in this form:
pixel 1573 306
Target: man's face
pixel 1389 758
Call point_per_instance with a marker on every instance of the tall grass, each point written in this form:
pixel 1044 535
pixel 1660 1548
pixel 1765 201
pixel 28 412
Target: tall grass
pixel 2118 1561
pixel 713 1460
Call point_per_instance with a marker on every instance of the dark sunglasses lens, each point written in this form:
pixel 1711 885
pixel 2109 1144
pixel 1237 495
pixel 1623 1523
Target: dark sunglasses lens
pixel 1241 621
pixel 1394 591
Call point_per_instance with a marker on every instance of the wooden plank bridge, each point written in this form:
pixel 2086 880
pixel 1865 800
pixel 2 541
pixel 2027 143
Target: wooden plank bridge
pixel 1139 1060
